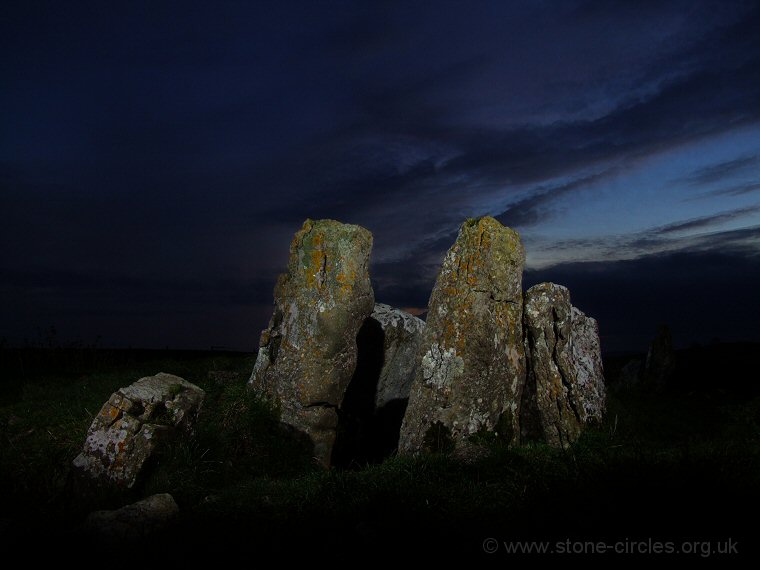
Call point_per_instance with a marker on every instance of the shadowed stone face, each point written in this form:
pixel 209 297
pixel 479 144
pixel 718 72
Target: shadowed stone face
pixel 308 353
pixel 472 364
pixel 402 334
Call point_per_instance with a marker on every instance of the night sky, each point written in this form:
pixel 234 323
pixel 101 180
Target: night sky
pixel 156 158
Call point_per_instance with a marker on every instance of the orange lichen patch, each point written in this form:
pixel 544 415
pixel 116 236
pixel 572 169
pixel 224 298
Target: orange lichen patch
pixel 318 265
pixel 317 259
pixel 450 291
pixel 110 412
pixel 346 281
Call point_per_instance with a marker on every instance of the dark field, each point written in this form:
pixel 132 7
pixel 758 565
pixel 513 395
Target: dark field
pixel 678 465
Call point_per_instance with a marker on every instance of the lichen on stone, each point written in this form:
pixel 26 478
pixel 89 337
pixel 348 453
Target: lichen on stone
pixel 133 423
pixel 565 388
pixel 472 364
pixel 308 353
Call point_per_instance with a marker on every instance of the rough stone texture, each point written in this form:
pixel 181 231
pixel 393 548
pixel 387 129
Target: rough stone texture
pixel 564 388
pixel 472 364
pixel 137 521
pixel 661 359
pixel 134 423
pixel 402 335
pixel 308 353
pixel 550 410
pixel 589 372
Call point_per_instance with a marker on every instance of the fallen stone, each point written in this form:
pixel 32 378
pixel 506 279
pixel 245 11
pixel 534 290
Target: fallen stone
pixel 308 354
pixel 134 424
pixel 472 362
pixel 135 522
pixel 564 388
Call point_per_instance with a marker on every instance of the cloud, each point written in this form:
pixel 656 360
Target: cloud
pixel 705 221
pixel 543 255
pixel 738 190
pixel 721 171
pixel 451 163
pixel 201 165
pixel 533 209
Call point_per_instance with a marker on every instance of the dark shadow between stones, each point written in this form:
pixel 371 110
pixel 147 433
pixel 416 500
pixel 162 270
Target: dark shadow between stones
pixel 354 442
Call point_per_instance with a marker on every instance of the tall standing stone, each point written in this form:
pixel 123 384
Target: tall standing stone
pixel 308 353
pixel 472 364
pixel 564 388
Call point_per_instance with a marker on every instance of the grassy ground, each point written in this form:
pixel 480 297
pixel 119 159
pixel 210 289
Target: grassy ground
pixel 670 466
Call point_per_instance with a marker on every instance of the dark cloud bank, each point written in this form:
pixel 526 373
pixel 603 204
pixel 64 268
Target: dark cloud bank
pixel 155 162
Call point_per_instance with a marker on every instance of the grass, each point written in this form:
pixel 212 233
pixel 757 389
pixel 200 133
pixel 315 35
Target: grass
pixel 663 464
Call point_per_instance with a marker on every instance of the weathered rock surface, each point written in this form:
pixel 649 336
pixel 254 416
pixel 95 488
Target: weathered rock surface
pixel 375 401
pixel 589 371
pixel 550 409
pixel 308 353
pixel 402 335
pixel 472 363
pixel 564 387
pixel 134 522
pixel 660 363
pixel 134 423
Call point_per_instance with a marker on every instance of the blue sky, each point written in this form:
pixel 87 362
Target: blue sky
pixel 156 158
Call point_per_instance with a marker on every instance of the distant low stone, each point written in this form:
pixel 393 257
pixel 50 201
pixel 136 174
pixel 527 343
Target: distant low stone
pixel 660 363
pixel 223 377
pixel 134 423
pixel 630 374
pixel 564 388
pixel 134 522
pixel 402 335
pixel 472 363
pixel 308 354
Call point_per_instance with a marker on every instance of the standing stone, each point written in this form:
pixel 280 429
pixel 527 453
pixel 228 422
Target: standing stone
pixel 402 335
pixel 550 410
pixel 133 425
pixel 589 371
pixel 564 388
pixel 308 353
pixel 375 401
pixel 472 364
pixel 661 359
